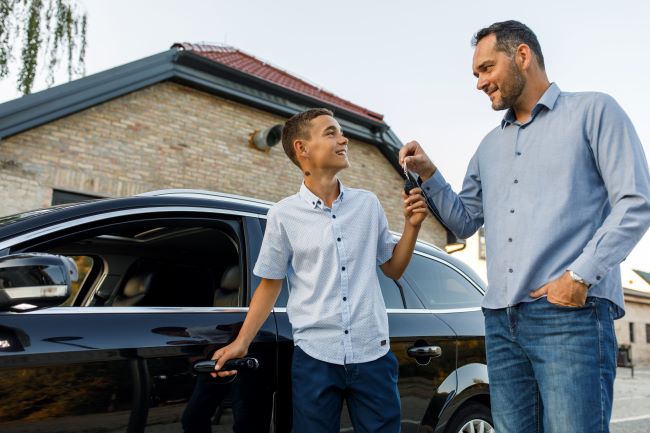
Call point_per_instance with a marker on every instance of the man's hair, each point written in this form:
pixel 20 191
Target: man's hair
pixel 511 34
pixel 298 128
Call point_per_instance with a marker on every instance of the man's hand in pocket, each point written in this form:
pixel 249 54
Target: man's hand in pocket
pixel 563 291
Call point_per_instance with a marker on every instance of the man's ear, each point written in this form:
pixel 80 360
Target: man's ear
pixel 523 56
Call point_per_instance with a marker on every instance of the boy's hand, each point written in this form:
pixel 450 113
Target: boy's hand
pixel 415 207
pixel 226 353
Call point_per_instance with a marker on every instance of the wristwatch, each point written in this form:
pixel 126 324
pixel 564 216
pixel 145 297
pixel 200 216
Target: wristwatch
pixel 578 279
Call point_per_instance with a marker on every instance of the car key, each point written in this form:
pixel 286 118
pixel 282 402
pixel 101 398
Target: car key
pixel 410 182
pixel 238 364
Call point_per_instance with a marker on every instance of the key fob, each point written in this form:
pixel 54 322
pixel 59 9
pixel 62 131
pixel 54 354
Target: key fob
pixel 410 183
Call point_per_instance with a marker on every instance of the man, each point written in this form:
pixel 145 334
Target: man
pixel 563 190
pixel 328 240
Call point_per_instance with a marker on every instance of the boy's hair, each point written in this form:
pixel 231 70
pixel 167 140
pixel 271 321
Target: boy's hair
pixel 298 127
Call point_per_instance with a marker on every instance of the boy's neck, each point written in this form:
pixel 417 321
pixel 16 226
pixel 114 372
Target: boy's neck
pixel 325 187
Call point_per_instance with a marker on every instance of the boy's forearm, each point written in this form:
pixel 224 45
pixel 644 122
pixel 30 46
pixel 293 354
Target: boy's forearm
pixel 394 268
pixel 261 305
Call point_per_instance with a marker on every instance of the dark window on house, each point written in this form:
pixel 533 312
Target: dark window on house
pixel 631 332
pixel 481 243
pixel 647 332
pixel 62 197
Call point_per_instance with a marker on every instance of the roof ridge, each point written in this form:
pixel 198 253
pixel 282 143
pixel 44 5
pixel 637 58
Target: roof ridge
pixel 224 49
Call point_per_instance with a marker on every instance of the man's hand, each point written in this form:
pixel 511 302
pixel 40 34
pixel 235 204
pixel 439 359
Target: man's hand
pixel 415 207
pixel 563 291
pixel 226 353
pixel 416 160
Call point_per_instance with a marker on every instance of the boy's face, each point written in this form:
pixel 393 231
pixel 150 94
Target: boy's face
pixel 327 147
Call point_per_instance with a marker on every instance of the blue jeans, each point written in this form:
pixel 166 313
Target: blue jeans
pixel 551 368
pixel 369 388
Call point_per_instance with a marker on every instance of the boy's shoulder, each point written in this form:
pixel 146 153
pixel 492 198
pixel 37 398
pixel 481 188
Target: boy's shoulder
pixel 285 205
pixel 361 193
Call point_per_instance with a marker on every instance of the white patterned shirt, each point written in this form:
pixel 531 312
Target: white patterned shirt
pixel 330 256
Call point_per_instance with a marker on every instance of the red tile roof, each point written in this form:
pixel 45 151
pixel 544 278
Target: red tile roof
pixel 236 59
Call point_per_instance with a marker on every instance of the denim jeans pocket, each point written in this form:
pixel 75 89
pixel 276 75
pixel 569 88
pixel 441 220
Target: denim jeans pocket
pixel 591 302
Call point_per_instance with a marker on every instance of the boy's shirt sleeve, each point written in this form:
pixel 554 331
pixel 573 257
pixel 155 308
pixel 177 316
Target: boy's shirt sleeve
pixel 275 253
pixel 385 241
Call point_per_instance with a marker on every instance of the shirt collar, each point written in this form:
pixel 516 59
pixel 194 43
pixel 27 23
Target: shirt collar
pixel 313 200
pixel 548 100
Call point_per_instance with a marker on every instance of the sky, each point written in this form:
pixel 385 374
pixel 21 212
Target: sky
pixel 409 60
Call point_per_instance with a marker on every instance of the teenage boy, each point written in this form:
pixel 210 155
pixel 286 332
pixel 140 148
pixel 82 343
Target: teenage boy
pixel 328 240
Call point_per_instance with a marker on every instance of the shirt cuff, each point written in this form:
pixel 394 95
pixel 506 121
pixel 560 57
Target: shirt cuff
pixel 434 184
pixel 589 271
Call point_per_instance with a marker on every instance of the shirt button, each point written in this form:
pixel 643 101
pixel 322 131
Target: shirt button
pixel 346 331
pixel 518 153
pixel 338 239
pixel 334 216
pixel 313 202
pixel 509 239
pixel 512 211
pixel 345 299
pixel 598 277
pixel 318 202
pixel 343 268
pixel 510 270
pixel 516 181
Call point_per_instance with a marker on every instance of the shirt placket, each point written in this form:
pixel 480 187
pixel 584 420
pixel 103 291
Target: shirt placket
pixel 511 270
pixel 344 295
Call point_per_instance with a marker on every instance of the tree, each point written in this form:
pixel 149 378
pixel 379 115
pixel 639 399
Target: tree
pixel 48 31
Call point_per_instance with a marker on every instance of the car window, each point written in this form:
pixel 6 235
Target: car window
pixel 439 286
pixel 158 262
pixel 84 266
pixel 390 291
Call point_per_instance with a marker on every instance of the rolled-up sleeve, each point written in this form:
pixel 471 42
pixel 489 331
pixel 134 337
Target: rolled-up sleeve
pixel 621 162
pixel 275 253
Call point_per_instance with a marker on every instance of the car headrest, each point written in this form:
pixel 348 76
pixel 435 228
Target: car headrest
pixel 137 285
pixel 230 279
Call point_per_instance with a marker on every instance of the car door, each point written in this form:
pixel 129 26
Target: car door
pixel 425 347
pixel 453 298
pixel 161 291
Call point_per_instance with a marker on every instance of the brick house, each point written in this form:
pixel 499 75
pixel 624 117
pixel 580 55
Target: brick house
pixel 181 119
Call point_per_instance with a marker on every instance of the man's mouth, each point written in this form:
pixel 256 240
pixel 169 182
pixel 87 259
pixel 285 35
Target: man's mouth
pixel 342 152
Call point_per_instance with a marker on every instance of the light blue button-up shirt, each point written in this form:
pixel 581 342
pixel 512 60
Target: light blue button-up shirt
pixel 567 190
pixel 330 256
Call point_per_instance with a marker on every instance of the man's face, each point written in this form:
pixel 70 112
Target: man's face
pixel 498 75
pixel 327 147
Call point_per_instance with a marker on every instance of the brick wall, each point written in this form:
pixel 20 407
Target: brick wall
pixel 172 136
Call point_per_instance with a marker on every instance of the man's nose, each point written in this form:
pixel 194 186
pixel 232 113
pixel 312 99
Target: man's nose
pixel 343 140
pixel 481 83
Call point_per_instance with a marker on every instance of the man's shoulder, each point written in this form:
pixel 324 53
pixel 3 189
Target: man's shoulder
pixel 586 99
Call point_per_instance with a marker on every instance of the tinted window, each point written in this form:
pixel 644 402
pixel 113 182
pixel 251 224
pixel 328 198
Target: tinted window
pixel 390 291
pixel 439 286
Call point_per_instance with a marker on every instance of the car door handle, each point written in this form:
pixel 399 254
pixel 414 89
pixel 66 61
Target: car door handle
pixel 239 364
pixel 424 351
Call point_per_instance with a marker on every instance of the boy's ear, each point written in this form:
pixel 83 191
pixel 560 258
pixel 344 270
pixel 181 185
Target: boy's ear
pixel 300 148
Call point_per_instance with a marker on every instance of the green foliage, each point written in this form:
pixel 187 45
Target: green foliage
pixel 46 31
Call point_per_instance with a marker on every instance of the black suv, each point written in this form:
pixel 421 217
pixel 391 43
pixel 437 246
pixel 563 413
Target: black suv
pixel 164 279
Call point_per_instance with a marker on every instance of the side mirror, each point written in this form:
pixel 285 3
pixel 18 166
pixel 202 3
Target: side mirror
pixel 31 280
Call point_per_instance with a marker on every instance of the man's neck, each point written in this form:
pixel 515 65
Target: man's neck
pixel 326 187
pixel 529 98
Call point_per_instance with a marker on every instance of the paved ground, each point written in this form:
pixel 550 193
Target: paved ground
pixel 631 413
